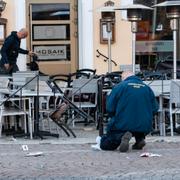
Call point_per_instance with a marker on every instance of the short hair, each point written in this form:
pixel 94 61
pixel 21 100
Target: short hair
pixel 126 74
pixel 24 31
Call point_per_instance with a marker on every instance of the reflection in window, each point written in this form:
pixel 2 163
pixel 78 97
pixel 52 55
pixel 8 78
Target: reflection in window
pixel 154 25
pixel 154 37
pixel 60 11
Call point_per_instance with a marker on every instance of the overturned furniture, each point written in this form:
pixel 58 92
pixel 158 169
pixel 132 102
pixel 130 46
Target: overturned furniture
pixel 64 105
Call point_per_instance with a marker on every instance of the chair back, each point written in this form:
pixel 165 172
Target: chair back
pixel 150 76
pixel 159 86
pixel 111 79
pixel 175 91
pixel 87 71
pixel 62 84
pixel 43 86
pixel 4 82
pixel 85 92
pixel 20 78
pixel 85 86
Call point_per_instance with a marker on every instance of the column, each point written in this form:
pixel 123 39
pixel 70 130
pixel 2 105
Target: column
pixel 20 22
pixel 85 26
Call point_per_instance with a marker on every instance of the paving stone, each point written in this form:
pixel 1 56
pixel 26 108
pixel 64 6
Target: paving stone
pixel 73 159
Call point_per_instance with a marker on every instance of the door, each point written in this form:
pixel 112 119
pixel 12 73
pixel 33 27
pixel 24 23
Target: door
pixel 53 34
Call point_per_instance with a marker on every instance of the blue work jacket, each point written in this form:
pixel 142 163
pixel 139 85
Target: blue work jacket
pixel 131 105
pixel 11 49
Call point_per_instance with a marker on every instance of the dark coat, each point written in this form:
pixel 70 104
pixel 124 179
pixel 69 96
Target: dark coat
pixel 131 106
pixel 11 49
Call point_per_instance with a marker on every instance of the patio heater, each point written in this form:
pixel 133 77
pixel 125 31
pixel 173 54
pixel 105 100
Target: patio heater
pixel 173 13
pixel 134 15
pixel 108 18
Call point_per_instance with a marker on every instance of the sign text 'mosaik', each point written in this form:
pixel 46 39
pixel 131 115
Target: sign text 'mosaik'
pixel 51 52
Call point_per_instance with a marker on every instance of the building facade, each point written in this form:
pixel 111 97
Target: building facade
pixel 70 34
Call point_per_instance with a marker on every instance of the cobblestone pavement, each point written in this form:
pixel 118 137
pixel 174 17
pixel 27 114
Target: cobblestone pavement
pixel 73 158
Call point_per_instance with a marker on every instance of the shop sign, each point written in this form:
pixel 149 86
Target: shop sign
pixel 51 52
pixel 154 46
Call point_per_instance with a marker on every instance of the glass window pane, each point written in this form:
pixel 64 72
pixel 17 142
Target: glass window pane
pixel 154 37
pixel 51 32
pixel 154 24
pixel 60 11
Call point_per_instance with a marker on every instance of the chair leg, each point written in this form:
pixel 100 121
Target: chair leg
pixel 49 123
pixel 155 123
pixel 1 119
pixel 171 122
pixel 30 121
pixel 25 124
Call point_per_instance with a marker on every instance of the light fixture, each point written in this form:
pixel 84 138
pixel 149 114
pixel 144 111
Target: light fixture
pixel 2 6
pixel 134 14
pixel 108 17
pixel 172 13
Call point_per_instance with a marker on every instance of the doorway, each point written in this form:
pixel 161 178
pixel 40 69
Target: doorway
pixel 52 27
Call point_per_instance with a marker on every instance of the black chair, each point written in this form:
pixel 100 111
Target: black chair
pixel 157 75
pixel 111 79
pixel 77 75
pixel 87 71
pixel 66 78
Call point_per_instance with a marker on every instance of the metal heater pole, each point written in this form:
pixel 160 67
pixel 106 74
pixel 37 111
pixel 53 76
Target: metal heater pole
pixel 109 32
pixel 174 26
pixel 134 30
pixel 175 55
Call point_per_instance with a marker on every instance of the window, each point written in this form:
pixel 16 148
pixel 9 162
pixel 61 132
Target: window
pixel 51 32
pixel 154 39
pixel 60 11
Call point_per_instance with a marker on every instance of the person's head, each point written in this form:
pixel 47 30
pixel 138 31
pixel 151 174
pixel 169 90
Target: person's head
pixel 126 74
pixel 23 33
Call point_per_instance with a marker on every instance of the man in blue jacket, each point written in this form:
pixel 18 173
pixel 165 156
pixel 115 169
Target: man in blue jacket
pixel 10 51
pixel 131 106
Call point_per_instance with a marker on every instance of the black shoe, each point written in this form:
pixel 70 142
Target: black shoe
pixel 139 145
pixel 124 146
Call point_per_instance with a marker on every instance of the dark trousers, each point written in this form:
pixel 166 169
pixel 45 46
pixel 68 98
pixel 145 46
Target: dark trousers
pixel 139 136
pixel 112 140
pixel 13 68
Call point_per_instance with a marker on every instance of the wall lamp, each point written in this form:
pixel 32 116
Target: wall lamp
pixel 2 6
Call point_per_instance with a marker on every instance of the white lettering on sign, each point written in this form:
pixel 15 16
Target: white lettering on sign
pixel 154 46
pixel 51 52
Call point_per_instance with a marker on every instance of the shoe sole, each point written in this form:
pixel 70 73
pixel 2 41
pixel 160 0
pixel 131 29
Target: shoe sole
pixel 124 146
